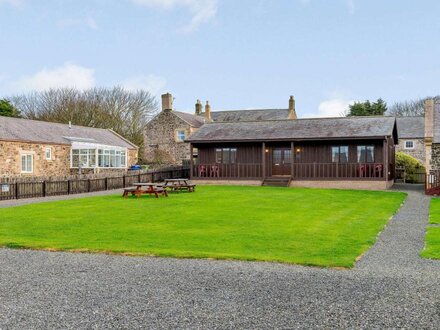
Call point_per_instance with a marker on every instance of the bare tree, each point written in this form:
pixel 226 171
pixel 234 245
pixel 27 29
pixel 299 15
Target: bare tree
pixel 123 111
pixel 409 108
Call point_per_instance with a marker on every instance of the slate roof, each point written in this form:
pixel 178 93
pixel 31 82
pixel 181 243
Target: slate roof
pixel 298 129
pixel 193 120
pixel 17 129
pixel 411 127
pixel 249 115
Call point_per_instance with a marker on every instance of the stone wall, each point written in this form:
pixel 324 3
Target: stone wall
pixel 435 157
pixel 160 141
pixel 419 149
pixel 343 184
pixel 58 165
pixel 10 159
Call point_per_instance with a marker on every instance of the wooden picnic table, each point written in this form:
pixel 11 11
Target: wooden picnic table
pixel 151 188
pixel 179 184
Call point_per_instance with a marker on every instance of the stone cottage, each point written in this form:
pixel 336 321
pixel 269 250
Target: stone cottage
pixel 166 133
pixel 412 137
pixel 38 148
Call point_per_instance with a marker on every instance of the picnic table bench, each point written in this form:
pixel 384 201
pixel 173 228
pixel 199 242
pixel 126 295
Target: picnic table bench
pixel 179 184
pixel 151 188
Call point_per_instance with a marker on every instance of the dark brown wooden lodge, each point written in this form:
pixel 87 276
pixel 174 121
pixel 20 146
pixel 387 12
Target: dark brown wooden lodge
pixel 352 148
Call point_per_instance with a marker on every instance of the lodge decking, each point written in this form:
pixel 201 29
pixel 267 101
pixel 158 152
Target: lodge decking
pixel 304 171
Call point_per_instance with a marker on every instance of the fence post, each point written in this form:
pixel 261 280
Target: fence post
pixel 44 188
pixel 123 181
pixel 68 187
pixel 152 176
pixel 88 184
pixel 139 177
pixel 106 183
pixel 16 190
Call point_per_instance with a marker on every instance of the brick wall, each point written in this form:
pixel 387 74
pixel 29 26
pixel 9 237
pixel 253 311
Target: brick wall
pixel 160 139
pixel 419 149
pixel 10 159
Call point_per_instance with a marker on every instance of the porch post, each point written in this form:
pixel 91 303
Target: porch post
pixel 191 161
pixel 385 158
pixel 292 152
pixel 263 155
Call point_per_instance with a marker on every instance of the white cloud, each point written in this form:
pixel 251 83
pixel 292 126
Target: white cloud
pixel 88 22
pixel 152 83
pixel 335 107
pixel 67 75
pixel 202 10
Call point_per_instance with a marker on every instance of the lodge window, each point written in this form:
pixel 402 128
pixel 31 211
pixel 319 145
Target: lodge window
pixel 226 155
pixel 340 154
pixel 27 163
pixel 365 154
pixel 48 153
pixel 409 144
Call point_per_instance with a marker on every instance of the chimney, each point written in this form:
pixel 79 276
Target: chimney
pixel 292 111
pixel 207 112
pixel 199 107
pixel 167 102
pixel 429 131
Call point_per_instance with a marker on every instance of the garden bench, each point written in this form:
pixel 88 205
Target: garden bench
pixel 132 190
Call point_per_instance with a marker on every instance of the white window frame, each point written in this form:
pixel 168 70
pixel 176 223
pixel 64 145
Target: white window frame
pixel 107 150
pixel 25 154
pixel 409 148
pixel 178 131
pixel 48 149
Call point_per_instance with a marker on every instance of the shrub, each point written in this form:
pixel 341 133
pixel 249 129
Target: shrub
pixel 411 165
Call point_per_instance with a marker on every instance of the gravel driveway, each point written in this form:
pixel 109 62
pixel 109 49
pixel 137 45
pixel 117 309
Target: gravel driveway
pixel 391 287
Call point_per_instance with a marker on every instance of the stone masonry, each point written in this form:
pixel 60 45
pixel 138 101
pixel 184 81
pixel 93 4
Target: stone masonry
pixel 419 149
pixel 10 159
pixel 58 165
pixel 161 143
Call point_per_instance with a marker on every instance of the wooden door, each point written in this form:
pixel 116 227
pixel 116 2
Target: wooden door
pixel 281 161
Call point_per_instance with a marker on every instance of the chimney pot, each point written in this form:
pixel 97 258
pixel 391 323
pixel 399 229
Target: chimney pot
pixel 199 107
pixel 167 102
pixel 292 110
pixel 207 112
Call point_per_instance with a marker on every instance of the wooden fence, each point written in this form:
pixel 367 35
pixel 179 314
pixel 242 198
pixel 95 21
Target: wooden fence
pixel 17 188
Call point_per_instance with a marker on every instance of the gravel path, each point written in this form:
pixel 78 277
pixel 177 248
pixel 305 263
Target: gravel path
pixel 391 287
pixel 24 201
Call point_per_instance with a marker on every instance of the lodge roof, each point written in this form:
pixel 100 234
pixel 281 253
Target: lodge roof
pixel 411 127
pixel 297 129
pixel 18 129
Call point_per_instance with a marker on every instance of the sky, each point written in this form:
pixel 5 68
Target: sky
pixel 238 54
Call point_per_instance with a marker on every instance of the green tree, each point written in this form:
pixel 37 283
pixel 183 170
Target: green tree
pixel 367 108
pixel 7 109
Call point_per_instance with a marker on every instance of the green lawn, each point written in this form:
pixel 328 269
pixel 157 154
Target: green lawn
pixel 432 240
pixel 303 226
